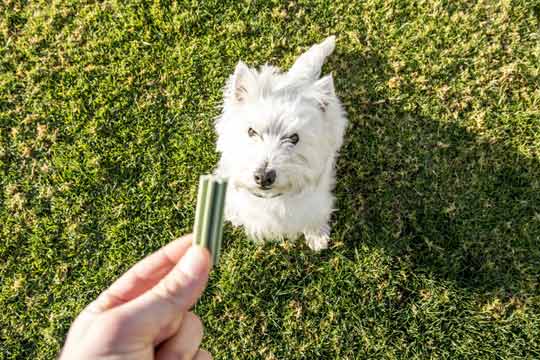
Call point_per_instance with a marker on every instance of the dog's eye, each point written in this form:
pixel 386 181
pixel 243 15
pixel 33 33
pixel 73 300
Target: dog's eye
pixel 252 132
pixel 294 139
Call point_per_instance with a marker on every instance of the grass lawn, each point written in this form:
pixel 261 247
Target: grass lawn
pixel 106 113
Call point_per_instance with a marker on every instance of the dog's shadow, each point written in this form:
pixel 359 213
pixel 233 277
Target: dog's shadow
pixel 453 204
pixel 458 205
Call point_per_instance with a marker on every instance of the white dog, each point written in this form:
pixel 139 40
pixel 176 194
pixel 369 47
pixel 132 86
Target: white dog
pixel 279 135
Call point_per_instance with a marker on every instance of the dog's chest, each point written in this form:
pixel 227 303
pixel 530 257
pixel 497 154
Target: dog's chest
pixel 288 215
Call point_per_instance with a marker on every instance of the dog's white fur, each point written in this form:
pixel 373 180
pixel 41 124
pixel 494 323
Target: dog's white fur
pixel 276 106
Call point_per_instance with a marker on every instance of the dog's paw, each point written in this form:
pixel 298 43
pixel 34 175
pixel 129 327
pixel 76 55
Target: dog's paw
pixel 318 242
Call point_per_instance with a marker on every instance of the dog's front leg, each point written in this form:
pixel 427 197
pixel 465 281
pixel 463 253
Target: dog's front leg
pixel 318 239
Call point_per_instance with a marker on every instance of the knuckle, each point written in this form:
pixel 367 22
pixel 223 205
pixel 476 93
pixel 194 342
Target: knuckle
pixel 195 324
pixel 114 324
pixel 171 287
pixel 175 289
pixel 203 355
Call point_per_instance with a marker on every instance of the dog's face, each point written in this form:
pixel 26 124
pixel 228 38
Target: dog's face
pixel 278 133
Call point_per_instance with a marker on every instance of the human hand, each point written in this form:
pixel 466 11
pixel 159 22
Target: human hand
pixel 144 314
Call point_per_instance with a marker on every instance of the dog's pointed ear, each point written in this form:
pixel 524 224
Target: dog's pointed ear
pixel 308 66
pixel 241 84
pixel 323 91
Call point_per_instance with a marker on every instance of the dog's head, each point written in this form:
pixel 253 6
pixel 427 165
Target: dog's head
pixel 278 133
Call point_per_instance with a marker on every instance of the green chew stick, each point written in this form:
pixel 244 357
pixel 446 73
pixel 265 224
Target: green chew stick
pixel 200 212
pixel 206 236
pixel 217 216
pixel 208 228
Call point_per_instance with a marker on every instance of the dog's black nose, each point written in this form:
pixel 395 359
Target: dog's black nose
pixel 264 177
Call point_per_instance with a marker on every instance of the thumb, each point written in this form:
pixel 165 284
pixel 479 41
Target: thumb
pixel 159 311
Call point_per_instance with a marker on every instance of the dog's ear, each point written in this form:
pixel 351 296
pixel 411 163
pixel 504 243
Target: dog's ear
pixel 323 91
pixel 242 84
pixel 308 66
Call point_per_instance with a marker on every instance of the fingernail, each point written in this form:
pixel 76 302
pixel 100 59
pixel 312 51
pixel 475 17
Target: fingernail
pixel 196 262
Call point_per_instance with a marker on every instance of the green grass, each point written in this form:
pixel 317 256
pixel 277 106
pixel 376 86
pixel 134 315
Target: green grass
pixel 106 124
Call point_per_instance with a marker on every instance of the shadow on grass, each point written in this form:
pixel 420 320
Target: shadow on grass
pixel 453 204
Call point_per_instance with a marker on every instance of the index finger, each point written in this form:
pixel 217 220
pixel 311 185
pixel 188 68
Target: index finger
pixel 143 276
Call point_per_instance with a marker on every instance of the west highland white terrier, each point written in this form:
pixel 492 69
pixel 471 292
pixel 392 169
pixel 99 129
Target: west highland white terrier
pixel 279 135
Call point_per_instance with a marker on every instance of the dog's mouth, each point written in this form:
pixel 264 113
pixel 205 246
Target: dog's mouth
pixel 264 194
